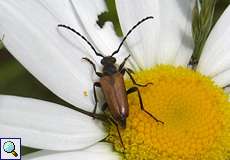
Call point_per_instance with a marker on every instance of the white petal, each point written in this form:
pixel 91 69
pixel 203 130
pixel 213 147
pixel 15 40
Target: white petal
pixel 141 41
pixel 176 44
pixel 183 31
pixel 100 147
pixel 165 39
pixel 31 36
pixel 75 15
pixel 46 125
pixel 65 12
pixel 222 79
pixel 87 12
pixel 215 57
pixel 79 155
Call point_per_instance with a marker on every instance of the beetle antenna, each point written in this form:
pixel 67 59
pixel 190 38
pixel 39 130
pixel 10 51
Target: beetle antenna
pixel 79 34
pixel 130 31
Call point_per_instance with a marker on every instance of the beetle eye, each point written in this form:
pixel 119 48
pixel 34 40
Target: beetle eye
pixel 113 60
pixel 102 61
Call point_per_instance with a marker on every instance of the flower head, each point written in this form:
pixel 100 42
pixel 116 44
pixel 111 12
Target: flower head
pixel 194 110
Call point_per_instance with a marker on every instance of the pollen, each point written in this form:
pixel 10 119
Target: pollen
pixel 85 93
pixel 195 112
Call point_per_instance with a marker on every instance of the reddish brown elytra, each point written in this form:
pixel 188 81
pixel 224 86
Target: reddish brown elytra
pixel 112 83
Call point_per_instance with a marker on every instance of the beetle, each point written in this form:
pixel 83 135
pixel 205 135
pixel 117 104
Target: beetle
pixel 112 82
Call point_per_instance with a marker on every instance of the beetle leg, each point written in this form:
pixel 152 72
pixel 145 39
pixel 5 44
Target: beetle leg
pixel 94 66
pixel 123 63
pixel 97 116
pixel 123 71
pixel 129 71
pixel 135 89
pixel 118 131
pixel 104 106
pixel 96 84
pixel 126 69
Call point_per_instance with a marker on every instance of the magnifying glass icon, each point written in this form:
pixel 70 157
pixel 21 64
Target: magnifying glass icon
pixel 9 147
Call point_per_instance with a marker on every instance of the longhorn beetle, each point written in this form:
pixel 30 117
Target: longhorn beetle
pixel 112 83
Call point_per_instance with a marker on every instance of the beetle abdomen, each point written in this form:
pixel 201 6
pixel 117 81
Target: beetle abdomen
pixel 114 91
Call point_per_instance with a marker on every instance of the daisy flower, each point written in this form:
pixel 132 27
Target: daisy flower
pixel 192 103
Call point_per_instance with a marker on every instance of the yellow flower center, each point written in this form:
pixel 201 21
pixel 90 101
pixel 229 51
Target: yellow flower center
pixel 195 112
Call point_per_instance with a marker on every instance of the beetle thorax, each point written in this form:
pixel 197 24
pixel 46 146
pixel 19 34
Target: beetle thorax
pixel 109 67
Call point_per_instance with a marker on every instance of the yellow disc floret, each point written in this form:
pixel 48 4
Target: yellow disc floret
pixel 195 112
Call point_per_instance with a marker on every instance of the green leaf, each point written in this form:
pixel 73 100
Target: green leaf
pixel 202 22
pixel 110 15
pixel 1 44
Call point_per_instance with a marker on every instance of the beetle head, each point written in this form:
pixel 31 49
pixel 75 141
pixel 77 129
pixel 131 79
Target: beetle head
pixel 108 60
